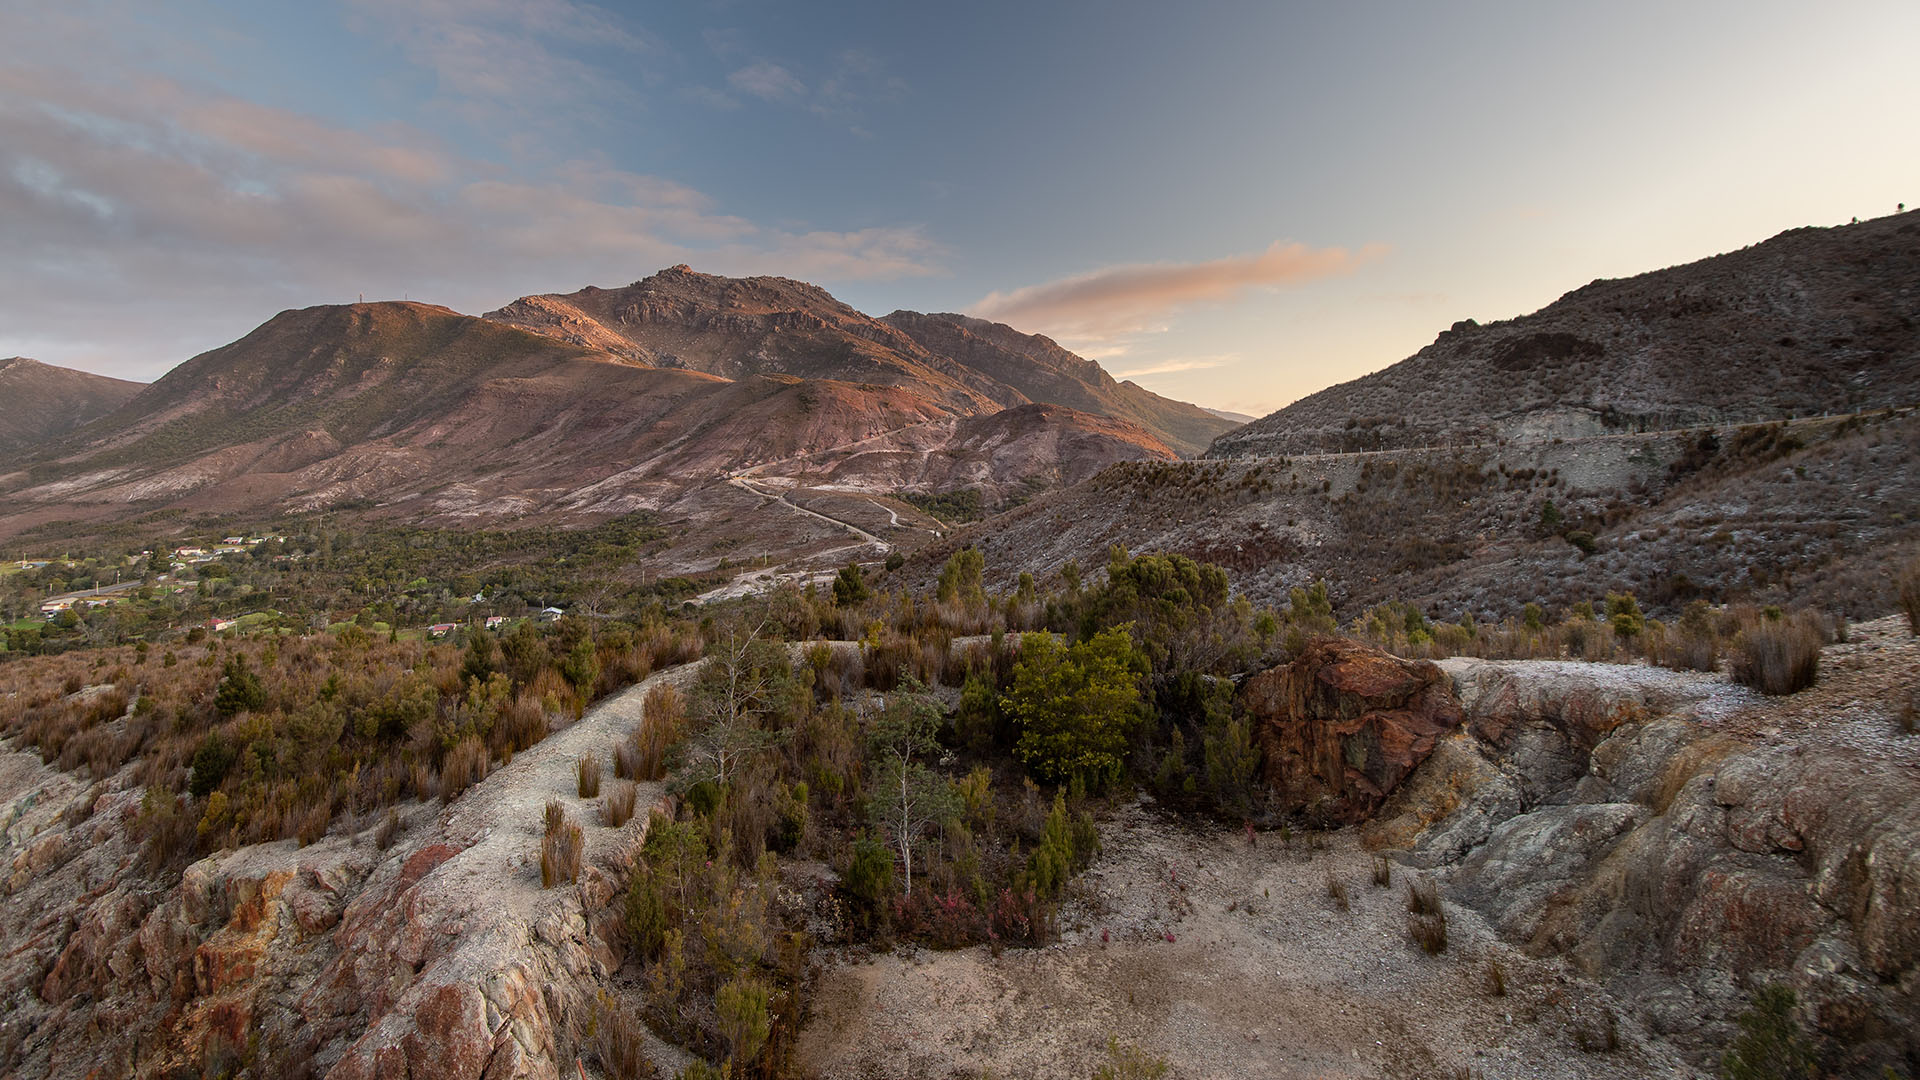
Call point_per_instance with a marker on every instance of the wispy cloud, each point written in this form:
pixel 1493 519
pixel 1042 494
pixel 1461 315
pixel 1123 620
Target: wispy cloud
pixel 1105 304
pixel 767 81
pixel 515 56
pixel 1184 363
pixel 204 213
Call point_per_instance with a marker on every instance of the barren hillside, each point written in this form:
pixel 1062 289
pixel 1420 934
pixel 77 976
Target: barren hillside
pixel 1813 321
pixel 40 402
pixel 1817 511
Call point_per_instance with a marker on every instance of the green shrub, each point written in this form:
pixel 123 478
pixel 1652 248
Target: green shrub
pixel 1076 708
pixel 210 764
pixel 646 914
pixel 741 1005
pixel 240 689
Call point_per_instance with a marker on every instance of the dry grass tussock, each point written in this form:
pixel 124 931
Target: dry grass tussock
pixel 1426 919
pixel 617 807
pixel 561 848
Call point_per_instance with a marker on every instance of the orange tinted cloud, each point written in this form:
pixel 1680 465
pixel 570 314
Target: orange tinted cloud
pixel 1117 300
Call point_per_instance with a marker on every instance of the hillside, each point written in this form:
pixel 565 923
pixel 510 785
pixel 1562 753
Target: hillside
pixel 1819 511
pixel 39 402
pixel 734 327
pixel 1813 321
pixel 411 412
pixel 1041 371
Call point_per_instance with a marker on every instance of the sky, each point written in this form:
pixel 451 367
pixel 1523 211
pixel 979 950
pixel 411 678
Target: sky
pixel 1234 204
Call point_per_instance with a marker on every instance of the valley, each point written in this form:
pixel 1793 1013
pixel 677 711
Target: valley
pixel 703 678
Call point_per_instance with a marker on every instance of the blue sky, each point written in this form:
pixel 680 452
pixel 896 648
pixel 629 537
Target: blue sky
pixel 1235 204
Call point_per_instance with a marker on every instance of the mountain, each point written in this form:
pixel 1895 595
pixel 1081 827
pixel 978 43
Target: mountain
pixel 1630 438
pixel 1815 320
pixel 1037 369
pixel 39 402
pixel 733 327
pixel 419 413
pixel 1238 418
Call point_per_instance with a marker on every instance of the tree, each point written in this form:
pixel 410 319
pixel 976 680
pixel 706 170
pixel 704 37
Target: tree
pixel 962 578
pixel 743 680
pixel 1076 708
pixel 908 797
pixel 850 586
pixel 239 689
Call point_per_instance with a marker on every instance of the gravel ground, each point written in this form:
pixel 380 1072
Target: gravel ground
pixel 1227 960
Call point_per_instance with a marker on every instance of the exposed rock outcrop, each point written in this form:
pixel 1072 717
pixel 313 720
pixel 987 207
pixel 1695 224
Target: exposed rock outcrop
pixel 442 956
pixel 1345 723
pixel 1688 842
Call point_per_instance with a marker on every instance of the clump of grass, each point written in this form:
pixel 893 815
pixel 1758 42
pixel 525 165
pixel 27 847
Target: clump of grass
pixel 661 717
pixel 589 776
pixel 1382 872
pixel 1496 979
pixel 617 807
pixel 620 1044
pixel 626 760
pixel 1910 596
pixel 389 830
pixel 1777 655
pixel 1337 892
pixel 465 765
pixel 1600 1035
pixel 1426 919
pixel 561 849
pixel 1128 1062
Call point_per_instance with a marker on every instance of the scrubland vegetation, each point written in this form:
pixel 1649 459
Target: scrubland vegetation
pixel 239 740
pixel 945 756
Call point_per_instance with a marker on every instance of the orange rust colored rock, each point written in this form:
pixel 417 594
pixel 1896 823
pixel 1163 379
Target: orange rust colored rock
pixel 1344 724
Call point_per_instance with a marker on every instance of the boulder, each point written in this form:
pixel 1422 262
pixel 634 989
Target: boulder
pixel 1344 724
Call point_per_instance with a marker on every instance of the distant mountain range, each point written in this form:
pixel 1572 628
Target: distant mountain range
pixel 574 407
pixel 1815 320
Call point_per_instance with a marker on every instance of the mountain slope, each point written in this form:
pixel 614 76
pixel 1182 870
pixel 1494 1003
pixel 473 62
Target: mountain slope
pixel 1042 371
pixel 1812 321
pixel 40 402
pixel 414 411
pixel 735 327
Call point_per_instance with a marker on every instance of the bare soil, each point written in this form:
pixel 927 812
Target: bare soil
pixel 1227 959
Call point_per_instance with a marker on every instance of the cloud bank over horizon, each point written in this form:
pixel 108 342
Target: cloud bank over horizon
pixel 1097 308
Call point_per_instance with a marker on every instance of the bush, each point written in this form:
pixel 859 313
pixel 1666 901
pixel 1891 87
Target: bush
pixel 646 914
pixel 210 764
pixel 1777 655
pixel 1076 708
pixel 589 776
pixel 741 1005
